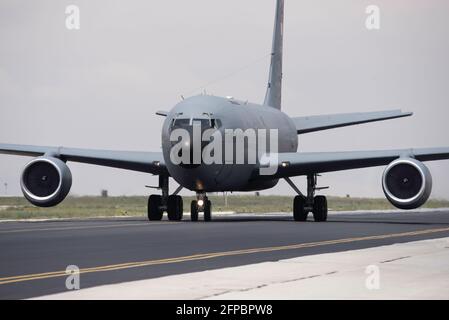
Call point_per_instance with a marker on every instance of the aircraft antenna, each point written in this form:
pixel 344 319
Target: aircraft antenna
pixel 227 76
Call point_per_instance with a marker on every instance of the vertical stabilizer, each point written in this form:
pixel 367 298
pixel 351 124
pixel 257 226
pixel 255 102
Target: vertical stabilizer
pixel 273 96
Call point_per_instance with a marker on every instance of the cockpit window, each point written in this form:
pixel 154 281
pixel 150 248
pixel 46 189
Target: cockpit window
pixel 216 123
pixel 178 123
pixel 208 123
pixel 205 123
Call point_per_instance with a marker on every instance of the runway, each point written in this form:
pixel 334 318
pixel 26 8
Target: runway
pixel 34 255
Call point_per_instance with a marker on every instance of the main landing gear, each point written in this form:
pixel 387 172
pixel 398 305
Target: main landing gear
pixel 173 204
pixel 302 204
pixel 201 204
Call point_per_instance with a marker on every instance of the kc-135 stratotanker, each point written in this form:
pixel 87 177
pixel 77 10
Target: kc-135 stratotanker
pixel 46 180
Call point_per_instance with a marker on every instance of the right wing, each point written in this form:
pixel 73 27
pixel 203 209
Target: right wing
pixel 325 122
pixel 304 163
pixel 150 162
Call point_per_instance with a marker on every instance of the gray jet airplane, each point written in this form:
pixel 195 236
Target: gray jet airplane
pixel 46 180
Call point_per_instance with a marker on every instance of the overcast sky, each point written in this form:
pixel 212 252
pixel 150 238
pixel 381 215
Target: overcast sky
pixel 99 87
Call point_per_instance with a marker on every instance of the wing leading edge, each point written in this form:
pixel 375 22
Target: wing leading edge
pixel 149 162
pixel 325 122
pixel 304 163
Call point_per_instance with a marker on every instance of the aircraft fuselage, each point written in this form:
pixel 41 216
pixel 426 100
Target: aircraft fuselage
pixel 226 113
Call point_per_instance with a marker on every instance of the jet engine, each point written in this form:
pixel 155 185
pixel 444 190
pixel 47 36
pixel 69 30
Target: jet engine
pixel 407 183
pixel 46 181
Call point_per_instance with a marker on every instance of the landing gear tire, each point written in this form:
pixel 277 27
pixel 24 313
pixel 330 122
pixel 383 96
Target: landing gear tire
pixel 155 212
pixel 194 211
pixel 299 212
pixel 175 208
pixel 320 209
pixel 207 211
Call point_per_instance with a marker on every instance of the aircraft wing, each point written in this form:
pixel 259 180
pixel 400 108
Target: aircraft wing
pixel 325 122
pixel 150 162
pixel 304 163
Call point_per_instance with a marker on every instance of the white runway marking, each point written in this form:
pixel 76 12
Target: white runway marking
pixel 106 226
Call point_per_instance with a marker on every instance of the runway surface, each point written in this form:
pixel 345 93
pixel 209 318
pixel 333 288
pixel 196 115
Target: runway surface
pixel 34 255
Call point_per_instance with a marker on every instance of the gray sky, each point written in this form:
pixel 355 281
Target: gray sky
pixel 100 86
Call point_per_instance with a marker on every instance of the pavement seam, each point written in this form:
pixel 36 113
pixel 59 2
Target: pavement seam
pixel 395 259
pixel 265 285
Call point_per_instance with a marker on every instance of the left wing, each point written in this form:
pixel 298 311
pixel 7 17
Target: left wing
pixel 304 163
pixel 150 162
pixel 325 122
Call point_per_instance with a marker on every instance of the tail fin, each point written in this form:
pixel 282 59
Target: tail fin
pixel 273 96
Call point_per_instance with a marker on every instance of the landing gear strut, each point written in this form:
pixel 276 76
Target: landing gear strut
pixel 201 204
pixel 303 204
pixel 157 204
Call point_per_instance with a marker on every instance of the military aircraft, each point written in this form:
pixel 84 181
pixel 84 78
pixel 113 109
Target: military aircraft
pixel 46 180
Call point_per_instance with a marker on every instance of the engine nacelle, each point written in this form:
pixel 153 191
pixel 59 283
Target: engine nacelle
pixel 46 181
pixel 407 183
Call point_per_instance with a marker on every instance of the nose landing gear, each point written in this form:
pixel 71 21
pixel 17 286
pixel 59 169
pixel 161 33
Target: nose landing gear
pixel 201 204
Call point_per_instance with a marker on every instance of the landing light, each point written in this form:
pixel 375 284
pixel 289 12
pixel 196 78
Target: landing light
pixel 200 203
pixel 285 164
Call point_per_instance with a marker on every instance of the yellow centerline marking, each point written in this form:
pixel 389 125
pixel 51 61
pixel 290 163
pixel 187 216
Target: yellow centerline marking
pixel 204 256
pixel 143 224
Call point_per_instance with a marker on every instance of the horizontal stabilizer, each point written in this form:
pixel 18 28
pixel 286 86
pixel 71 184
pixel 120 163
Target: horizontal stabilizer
pixel 325 122
pixel 162 113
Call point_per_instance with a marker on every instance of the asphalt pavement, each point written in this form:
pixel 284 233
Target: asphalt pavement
pixel 34 255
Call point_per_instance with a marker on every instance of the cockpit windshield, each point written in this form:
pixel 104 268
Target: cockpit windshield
pixel 205 123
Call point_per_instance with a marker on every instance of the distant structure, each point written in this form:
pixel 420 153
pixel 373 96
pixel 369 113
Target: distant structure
pixel 5 184
pixel 104 193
